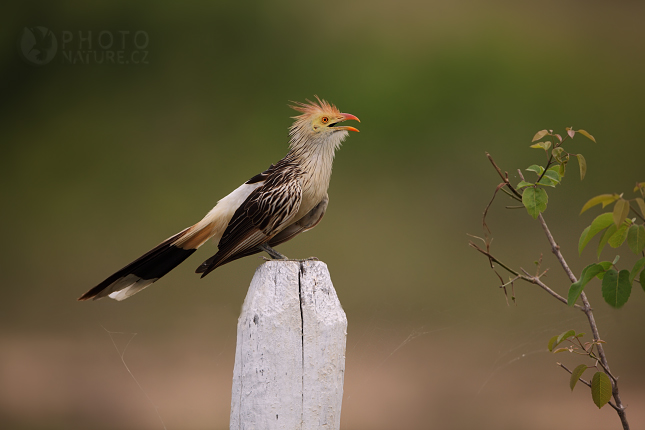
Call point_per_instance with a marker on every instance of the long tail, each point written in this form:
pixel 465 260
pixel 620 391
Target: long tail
pixel 151 266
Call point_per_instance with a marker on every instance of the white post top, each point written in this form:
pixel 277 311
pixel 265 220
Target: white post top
pixel 290 355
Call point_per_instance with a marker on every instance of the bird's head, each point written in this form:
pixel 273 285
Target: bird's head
pixel 320 121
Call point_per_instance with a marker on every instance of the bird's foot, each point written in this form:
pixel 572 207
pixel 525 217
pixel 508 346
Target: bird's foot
pixel 310 259
pixel 299 260
pixel 275 255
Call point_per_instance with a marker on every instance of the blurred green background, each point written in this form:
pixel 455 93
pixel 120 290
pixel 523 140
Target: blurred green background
pixel 100 162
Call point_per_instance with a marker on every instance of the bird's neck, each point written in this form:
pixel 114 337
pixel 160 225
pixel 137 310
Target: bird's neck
pixel 315 157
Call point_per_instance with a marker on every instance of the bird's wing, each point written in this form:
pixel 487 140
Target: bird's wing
pixel 265 212
pixel 306 223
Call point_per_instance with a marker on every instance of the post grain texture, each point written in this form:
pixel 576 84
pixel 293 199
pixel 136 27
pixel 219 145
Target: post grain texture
pixel 290 354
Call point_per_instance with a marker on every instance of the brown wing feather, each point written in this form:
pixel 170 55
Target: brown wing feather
pixel 265 212
pixel 306 223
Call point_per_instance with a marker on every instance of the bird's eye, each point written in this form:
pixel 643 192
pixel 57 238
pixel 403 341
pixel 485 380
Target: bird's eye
pixel 325 120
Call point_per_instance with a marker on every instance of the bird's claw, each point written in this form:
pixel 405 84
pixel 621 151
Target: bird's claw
pixel 299 260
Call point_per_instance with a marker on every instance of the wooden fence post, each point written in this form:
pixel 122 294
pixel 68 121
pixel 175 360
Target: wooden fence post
pixel 290 354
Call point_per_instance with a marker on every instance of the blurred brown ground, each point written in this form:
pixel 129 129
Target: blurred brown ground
pixel 101 162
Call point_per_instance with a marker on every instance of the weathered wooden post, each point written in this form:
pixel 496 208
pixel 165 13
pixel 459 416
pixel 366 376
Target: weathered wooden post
pixel 290 354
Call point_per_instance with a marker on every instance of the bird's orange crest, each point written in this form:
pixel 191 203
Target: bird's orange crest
pixel 311 108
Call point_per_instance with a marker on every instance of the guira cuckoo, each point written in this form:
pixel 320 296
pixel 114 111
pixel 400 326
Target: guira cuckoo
pixel 288 198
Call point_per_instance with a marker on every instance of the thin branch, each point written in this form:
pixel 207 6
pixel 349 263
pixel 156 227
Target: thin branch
pixel 636 212
pixel 486 229
pixel 491 258
pixel 587 384
pixel 503 176
pixel 555 248
pixel 535 280
pixel 586 308
pixel 511 195
pixel 527 277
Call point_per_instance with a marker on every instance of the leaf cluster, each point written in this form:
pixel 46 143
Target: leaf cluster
pixel 616 228
pixel 535 198
pixel 601 389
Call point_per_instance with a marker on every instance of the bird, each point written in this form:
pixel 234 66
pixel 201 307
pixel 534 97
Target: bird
pixel 288 198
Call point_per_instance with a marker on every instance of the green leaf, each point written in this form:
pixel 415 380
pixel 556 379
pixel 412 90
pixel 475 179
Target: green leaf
pixel 576 374
pixel 588 273
pixel 587 135
pixel 606 265
pixel 546 181
pixel 641 205
pixel 642 279
pixel 582 242
pixel 567 334
pixel 638 266
pixel 552 342
pixel 636 238
pixel 535 200
pixel 553 174
pixel 544 145
pixel 523 184
pixel 621 209
pixel 561 169
pixel 600 389
pixel 616 287
pixel 583 166
pixel 619 237
pixel 535 168
pixel 599 223
pixel 557 154
pixel 539 135
pixel 605 237
pixel 605 199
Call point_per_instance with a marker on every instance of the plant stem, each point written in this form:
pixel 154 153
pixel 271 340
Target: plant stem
pixel 548 163
pixel 528 278
pixel 555 248
pixel 636 212
pixel 586 383
pixel 504 177
pixel 586 308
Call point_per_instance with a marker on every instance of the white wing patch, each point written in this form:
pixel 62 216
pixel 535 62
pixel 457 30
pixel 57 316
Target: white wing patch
pixel 218 218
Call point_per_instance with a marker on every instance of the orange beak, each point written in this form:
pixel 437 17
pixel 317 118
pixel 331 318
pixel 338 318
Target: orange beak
pixel 347 116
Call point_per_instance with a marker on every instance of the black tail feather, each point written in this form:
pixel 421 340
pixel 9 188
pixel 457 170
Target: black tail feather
pixel 152 265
